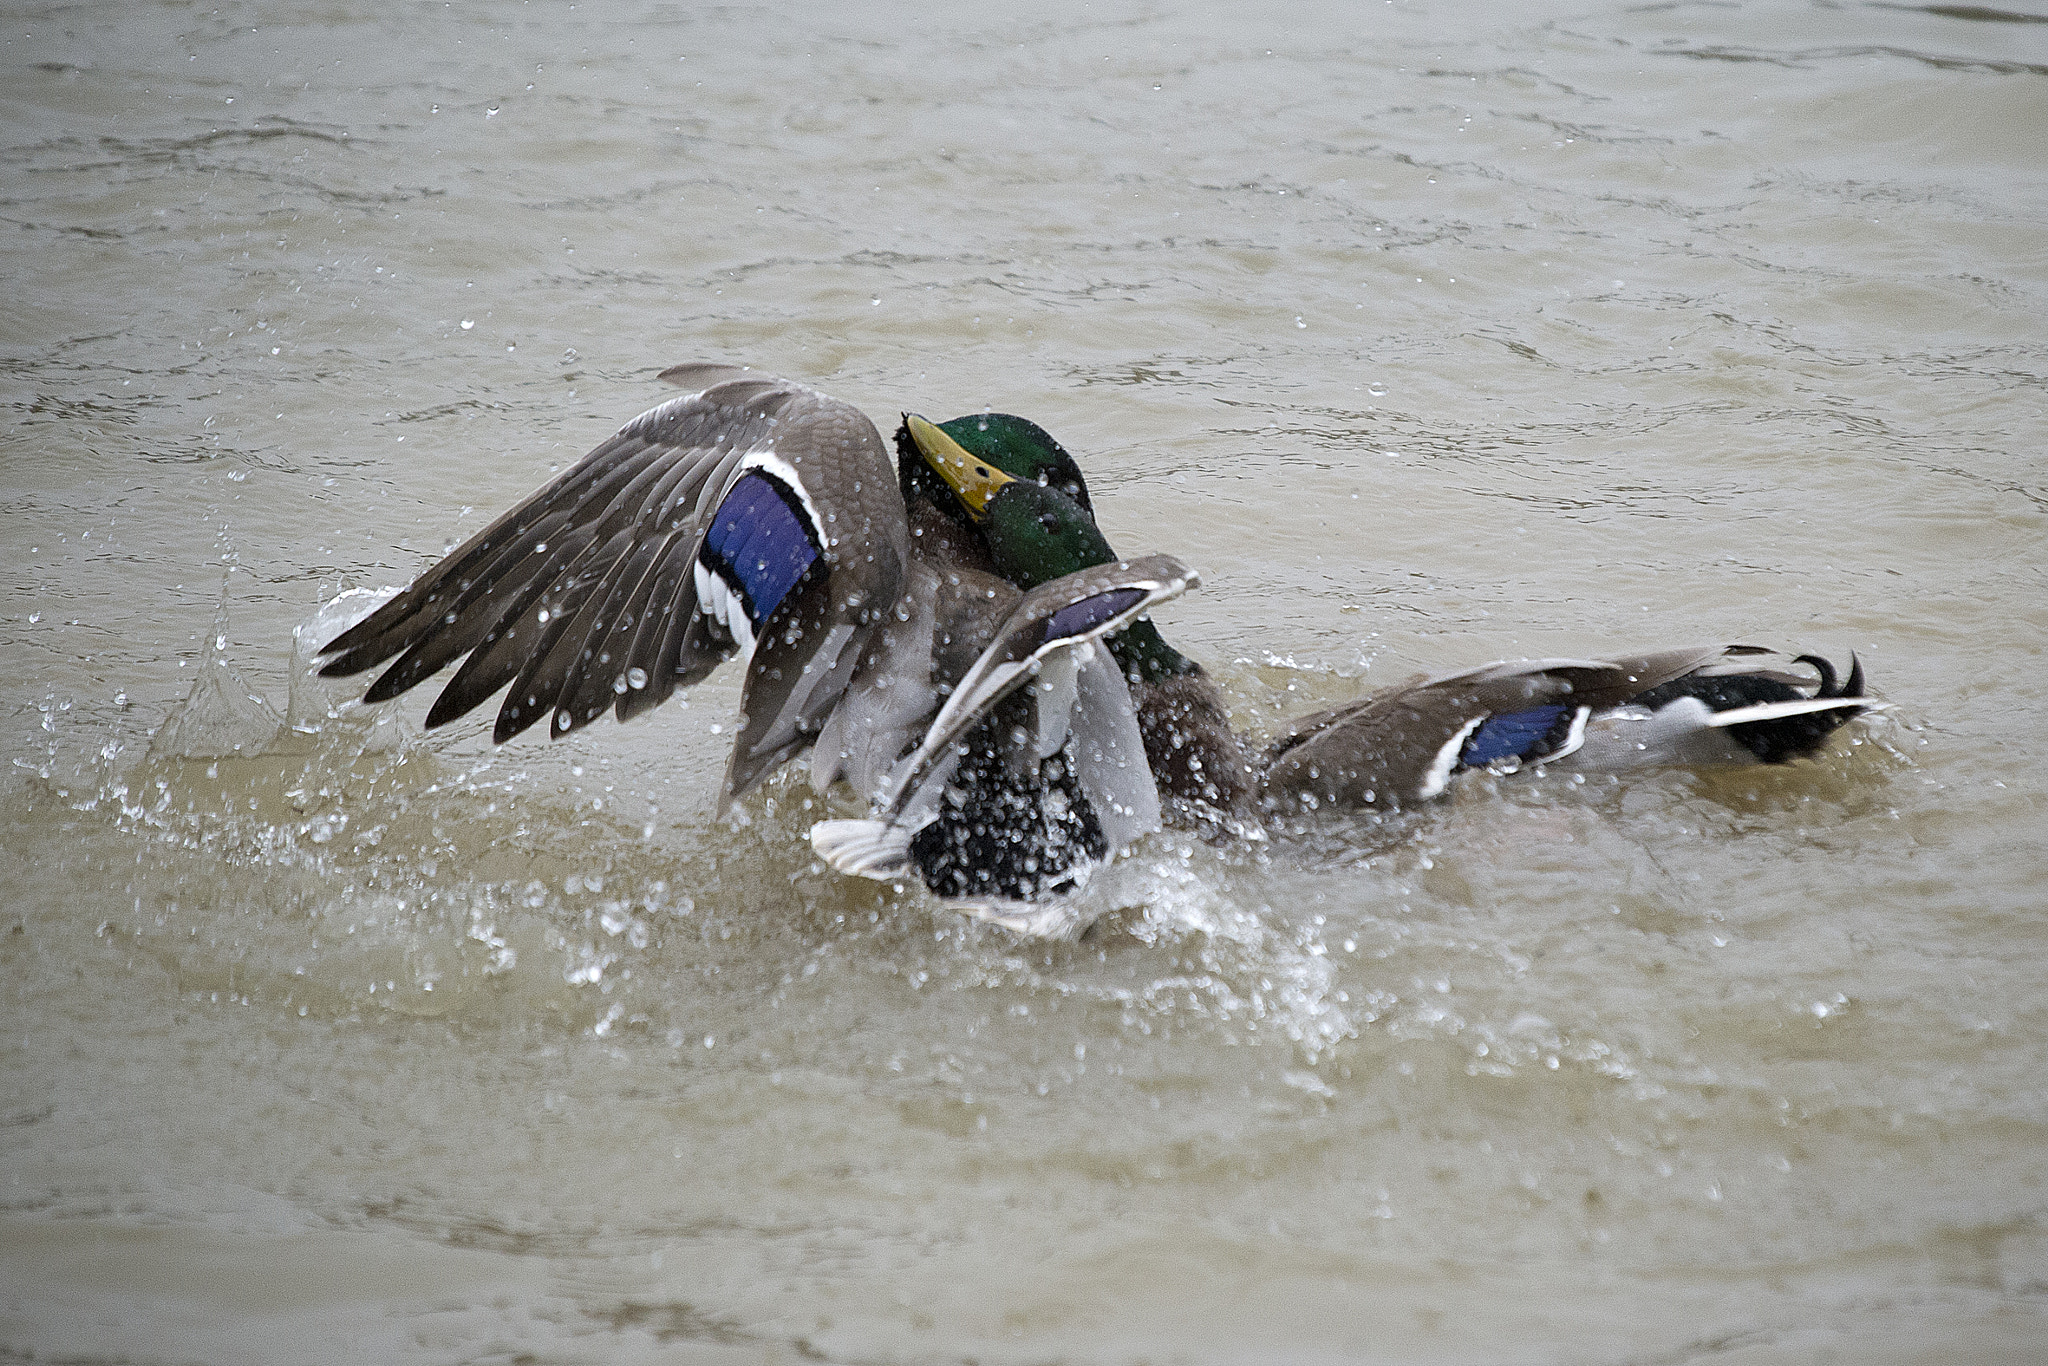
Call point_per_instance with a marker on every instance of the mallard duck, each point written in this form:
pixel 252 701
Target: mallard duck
pixel 1709 704
pixel 758 518
pixel 1202 768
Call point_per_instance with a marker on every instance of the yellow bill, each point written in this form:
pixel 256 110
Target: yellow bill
pixel 974 479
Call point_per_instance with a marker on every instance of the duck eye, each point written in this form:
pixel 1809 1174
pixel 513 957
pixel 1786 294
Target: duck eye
pixel 1048 521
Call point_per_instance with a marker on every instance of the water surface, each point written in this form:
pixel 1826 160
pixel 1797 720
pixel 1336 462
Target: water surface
pixel 1430 333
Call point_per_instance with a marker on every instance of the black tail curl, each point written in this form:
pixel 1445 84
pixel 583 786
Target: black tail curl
pixel 1785 738
pixel 1798 737
pixel 1851 688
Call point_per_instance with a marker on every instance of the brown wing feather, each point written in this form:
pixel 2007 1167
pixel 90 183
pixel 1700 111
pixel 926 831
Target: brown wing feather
pixel 516 575
pixel 499 653
pixel 477 572
pixel 606 629
pixel 1382 748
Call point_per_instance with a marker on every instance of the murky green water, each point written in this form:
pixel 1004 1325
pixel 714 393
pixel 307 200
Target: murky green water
pixel 1431 334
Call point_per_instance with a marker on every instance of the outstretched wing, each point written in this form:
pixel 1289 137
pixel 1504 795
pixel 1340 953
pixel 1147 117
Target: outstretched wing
pixel 670 547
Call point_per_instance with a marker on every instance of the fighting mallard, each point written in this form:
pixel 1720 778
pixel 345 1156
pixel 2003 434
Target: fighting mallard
pixel 1711 704
pixel 1032 534
pixel 757 518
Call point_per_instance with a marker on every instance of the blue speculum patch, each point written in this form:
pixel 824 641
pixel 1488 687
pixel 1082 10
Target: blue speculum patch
pixel 1510 735
pixel 761 542
pixel 1078 618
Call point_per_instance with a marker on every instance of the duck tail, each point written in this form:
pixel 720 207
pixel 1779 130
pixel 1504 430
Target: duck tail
pixel 1850 687
pixel 871 849
pixel 1778 730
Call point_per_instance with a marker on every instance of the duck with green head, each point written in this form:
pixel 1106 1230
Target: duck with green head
pixel 1038 527
pixel 1706 705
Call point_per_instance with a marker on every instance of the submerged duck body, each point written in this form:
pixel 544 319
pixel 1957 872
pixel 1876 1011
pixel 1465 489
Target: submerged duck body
pixel 1705 705
pixel 758 519
pixel 952 803
pixel 1715 704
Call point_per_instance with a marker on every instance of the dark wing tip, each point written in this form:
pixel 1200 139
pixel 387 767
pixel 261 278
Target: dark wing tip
pixel 355 637
pixel 389 684
pixel 513 719
pixel 341 668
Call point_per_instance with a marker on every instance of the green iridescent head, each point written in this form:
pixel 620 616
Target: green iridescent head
pixel 1037 534
pixel 1014 445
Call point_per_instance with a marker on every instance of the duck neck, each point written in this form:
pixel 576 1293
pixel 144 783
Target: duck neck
pixel 1147 658
pixel 952 542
